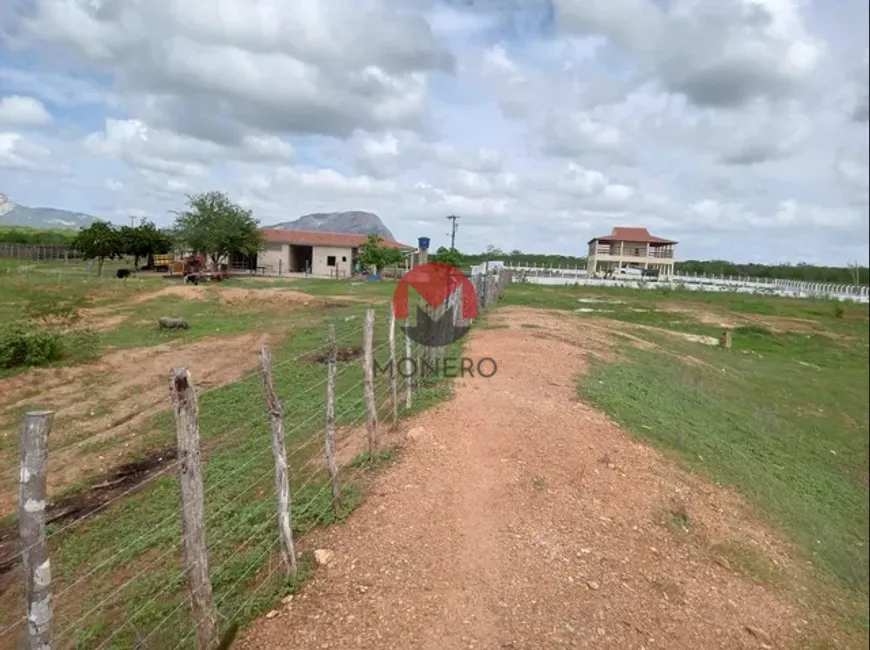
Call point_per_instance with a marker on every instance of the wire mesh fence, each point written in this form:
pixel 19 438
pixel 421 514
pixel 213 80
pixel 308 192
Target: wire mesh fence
pixel 38 252
pixel 202 541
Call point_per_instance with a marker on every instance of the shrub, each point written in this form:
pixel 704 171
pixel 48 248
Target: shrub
pixel 82 345
pixel 839 310
pixel 25 345
pixel 51 309
pixel 753 329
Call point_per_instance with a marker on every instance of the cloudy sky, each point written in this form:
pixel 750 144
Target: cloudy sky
pixel 738 127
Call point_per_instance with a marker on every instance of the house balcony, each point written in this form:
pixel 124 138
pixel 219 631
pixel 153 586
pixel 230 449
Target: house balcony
pixel 605 253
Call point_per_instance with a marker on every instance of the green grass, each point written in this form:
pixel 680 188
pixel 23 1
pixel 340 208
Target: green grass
pixel 748 561
pixel 627 305
pixel 26 285
pixel 781 417
pixel 644 307
pixel 132 551
pixel 373 460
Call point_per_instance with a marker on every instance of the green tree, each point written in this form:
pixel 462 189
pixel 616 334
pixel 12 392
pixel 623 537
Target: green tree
pixel 449 256
pixel 144 240
pixel 216 227
pixel 372 253
pixel 98 241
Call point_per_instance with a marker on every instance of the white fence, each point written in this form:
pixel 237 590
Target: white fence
pixel 487 267
pixel 759 286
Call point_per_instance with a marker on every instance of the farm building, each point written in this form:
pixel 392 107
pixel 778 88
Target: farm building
pixel 630 248
pixel 324 254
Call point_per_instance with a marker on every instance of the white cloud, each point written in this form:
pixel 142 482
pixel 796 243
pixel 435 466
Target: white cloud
pixel 722 53
pixel 700 120
pixel 23 111
pixel 19 153
pixel 574 133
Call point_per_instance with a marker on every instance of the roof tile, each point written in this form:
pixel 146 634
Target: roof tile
pixel 633 234
pixel 320 238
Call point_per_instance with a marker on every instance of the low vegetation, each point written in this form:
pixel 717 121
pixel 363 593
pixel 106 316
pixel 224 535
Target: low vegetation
pixel 116 575
pixel 782 416
pixel 802 272
pixel 42 334
pixel 36 236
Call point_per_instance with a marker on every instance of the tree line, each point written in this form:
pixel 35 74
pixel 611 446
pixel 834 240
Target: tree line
pixel 36 236
pixel 216 227
pixel 210 225
pixel 462 260
pixel 800 272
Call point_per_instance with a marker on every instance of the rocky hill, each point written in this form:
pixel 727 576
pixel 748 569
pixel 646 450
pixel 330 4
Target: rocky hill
pixel 363 223
pixel 12 214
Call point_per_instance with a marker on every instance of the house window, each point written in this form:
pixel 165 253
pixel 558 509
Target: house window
pixel 330 260
pixel 344 259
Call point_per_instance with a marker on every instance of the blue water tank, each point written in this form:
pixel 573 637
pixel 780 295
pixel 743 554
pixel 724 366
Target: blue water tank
pixel 423 243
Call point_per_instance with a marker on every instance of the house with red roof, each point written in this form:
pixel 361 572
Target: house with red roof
pixel 326 254
pixel 630 248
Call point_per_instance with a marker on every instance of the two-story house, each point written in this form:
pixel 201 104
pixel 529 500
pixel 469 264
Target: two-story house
pixel 630 248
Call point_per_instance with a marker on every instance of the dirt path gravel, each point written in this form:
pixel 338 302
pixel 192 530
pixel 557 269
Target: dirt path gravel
pixel 520 518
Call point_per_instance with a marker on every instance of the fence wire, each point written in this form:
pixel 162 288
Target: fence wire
pixel 149 607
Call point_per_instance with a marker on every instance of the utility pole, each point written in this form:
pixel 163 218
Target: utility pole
pixel 454 225
pixel 856 272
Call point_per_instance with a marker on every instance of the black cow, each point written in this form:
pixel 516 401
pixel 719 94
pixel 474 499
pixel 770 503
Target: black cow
pixel 122 273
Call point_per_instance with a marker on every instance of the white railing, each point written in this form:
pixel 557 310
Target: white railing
pixel 761 286
pixel 651 253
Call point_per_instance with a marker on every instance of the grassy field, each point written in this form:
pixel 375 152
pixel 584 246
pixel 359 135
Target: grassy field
pixel 116 575
pixel 782 417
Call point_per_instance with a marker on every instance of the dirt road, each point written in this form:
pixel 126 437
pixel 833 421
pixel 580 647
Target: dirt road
pixel 520 518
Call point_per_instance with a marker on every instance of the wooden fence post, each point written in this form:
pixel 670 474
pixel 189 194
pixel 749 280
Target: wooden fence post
pixel 410 376
pixel 330 423
pixel 282 483
pixel 196 569
pixel 725 340
pixel 394 371
pixel 31 524
pixel 369 380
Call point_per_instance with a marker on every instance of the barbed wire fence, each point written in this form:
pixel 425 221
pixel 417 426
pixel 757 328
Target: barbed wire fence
pixel 228 552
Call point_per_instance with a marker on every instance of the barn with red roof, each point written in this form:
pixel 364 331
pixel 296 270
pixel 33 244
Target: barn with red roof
pixel 326 254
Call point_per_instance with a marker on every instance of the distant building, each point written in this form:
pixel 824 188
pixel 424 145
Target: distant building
pixel 630 248
pixel 325 254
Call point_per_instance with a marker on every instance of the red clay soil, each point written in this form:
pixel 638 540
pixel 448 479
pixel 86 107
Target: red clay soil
pixel 103 409
pixel 520 518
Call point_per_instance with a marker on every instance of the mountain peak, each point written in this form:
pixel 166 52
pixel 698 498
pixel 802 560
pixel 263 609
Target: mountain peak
pixel 5 204
pixel 354 221
pixel 12 214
